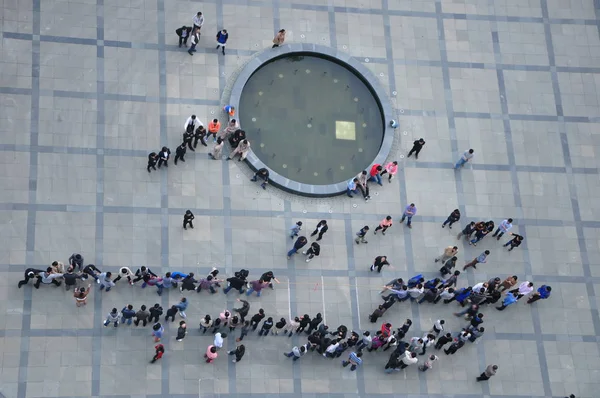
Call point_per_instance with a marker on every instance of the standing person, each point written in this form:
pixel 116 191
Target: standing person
pixel 206 323
pixel 417 146
pixel 448 266
pixel 321 228
pixel 256 318
pixel 127 314
pixel 379 262
pixel 448 253
pixel 263 174
pixel 542 293
pixel 75 261
pixel 112 317
pixel 145 274
pixel 360 235
pixel 167 282
pixel 182 306
pixel 59 268
pixel 391 168
pixel 159 351
pixel 266 327
pixel 466 231
pixel 222 37
pixel 383 225
pixel 181 331
pixel 30 273
pixel 299 244
pixel 313 250
pixel 188 139
pixel 81 295
pixel 199 136
pixel 231 128
pixel 188 217
pixel 438 327
pixel 217 150
pixel 481 259
pixel 279 38
pixel 514 242
pixel 363 184
pixel 256 286
pixel 242 149
pixel 105 281
pixel 295 229
pixel 243 331
pixel 510 299
pixel 184 34
pixel 279 326
pixel 171 313
pixel 218 341
pixel 503 228
pixel 409 212
pixel 508 283
pixel 354 359
pixel 455 346
pixel 428 363
pixel 487 373
pixel 409 358
pixel 191 124
pixel 374 173
pixel 198 21
pixel 211 354
pixel 213 128
pixel 163 157
pixel 476 333
pixel 452 218
pixel 292 325
pixel 155 312
pixel 180 153
pixel 524 289
pixel 141 316
pixel 467 156
pixel 194 41
pixel 239 352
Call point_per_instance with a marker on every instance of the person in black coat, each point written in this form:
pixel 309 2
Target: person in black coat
pixel 313 250
pixel 238 352
pixel 199 136
pixel 155 313
pixel 321 228
pixel 71 278
pixel 237 137
pixel 452 218
pixel 30 273
pixel 314 323
pixel 243 310
pixel 299 244
pixel 152 159
pixel 263 174
pixel 379 262
pixel 256 318
pixel 163 157
pixel 188 283
pixel 417 146
pixel 180 153
pixel 188 138
pixel 304 322
pixel 235 283
pixel 442 341
pixel 187 219
pixel 184 33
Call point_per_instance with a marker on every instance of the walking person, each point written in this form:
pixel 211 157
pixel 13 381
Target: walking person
pixel 452 218
pixel 417 146
pixel 222 37
pixel 503 228
pixel 181 331
pixel 409 212
pixel 379 262
pixel 487 373
pixel 279 38
pixel 313 250
pixel 235 283
pixel 383 225
pixel 409 358
pixel 243 310
pixel 163 157
pixel 180 153
pixel 206 323
pixel 445 339
pixel 239 352
pixel 158 353
pixel 71 278
pixel 354 359
pixel 297 352
pixel 299 244
pixel 321 228
pixel 191 124
pixel 152 159
pixel 510 299
pixel 263 174
pixel 188 217
pixel 243 331
pixel 81 295
pixel 481 233
pixel 467 156
pixel 466 231
pixel 542 293
pixel 256 318
pixel 256 286
pixel 428 363
pixel 182 306
pixel 448 253
pixel 514 242
pixel 360 235
pixel 391 168
pixel 481 259
pixel 184 33
pixel 194 40
pixel 279 325
pixel 198 21
pixel 219 339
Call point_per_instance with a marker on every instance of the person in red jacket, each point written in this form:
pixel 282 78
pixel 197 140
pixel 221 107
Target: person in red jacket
pixel 160 350
pixel 386 330
pixel 376 170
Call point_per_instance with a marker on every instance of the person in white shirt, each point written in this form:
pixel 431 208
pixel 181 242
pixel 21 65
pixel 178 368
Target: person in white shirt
pixel 524 289
pixel 47 278
pixel 415 292
pixel 329 352
pixel 438 327
pixel 195 39
pixel 466 157
pixel 503 228
pixel 191 124
pixel 428 363
pixel 198 21
pixel 125 272
pixel 409 358
pixel 218 341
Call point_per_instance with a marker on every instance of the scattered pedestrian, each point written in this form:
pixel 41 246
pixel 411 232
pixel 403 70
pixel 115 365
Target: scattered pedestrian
pixel 299 244
pixel 487 373
pixel 514 242
pixel 239 352
pixel 452 218
pixel 467 156
pixel 503 228
pixel 244 331
pixel 222 37
pixel 428 363
pixel 409 212
pixel 159 351
pixel 391 168
pixel 379 262
pixel 256 286
pixel 481 259
pixel 279 38
pixel 448 253
pixel 182 306
pixel 417 146
pixel 383 225
pixel 263 174
pixel 243 310
pixel 198 20
pixel 360 235
pixel 194 41
pixel 321 228
pixel 313 250
pixel 184 33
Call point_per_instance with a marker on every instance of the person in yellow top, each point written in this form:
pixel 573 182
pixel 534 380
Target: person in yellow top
pixel 213 129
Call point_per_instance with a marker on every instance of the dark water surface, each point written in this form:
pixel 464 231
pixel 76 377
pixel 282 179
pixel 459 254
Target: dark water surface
pixel 311 120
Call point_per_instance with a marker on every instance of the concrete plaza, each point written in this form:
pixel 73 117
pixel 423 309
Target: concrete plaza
pixel 88 88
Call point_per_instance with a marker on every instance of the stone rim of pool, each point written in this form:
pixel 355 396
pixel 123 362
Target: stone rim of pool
pixel 352 65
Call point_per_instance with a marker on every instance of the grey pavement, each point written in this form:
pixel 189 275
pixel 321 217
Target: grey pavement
pixel 88 88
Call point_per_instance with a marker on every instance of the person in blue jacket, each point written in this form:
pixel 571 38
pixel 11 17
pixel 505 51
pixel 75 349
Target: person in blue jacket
pixel 542 293
pixel 415 280
pixel 510 299
pixel 128 314
pixel 222 37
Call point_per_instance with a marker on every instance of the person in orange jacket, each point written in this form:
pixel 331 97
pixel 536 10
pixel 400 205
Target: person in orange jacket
pixel 213 129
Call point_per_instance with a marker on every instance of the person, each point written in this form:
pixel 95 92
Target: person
pixel 184 34
pixel 213 128
pixel 428 363
pixel 374 173
pixel 482 232
pixel 48 277
pixel 163 157
pixel 354 359
pixel 524 289
pixel 481 259
pixel 409 358
pixel 81 295
pixel 239 352
pixel 242 149
pixel 379 262
pixel 167 282
pixel 188 139
pixel 321 228
pixel 297 352
pixel 452 218
pixel 448 266
pixel 279 325
pixel 191 124
pixel 237 137
pixel 391 168
pixel 231 128
pixel 467 156
pixel 508 283
pixel 188 217
pixel 171 313
pixel 211 354
pixel 256 286
pixel 266 327
pixel 314 323
pixel 229 110
pixel 206 323
pixel 159 351
pixel 182 306
pixel 194 41
pixel 207 283
pixel 448 253
pixel 127 314
pixel 125 272
pixel 152 159
pixel 219 339
pixel 409 212
pixel 291 326
pixel 181 331
pixel 466 231
pixel 199 135
pixel 510 299
pixel 222 37
pixel 360 235
pixel 180 153
pixel 352 187
pixel 476 333
pixel 141 316
pixel 30 273
pixel 295 229
pixel 446 293
pixel 299 244
pixel 145 274
pixel 514 242
pixel 417 146
pixel 112 317
pixel 455 346
pixel 75 261
pixel 363 184
pixel 313 250
pixel 243 310
pixel 383 225
pixel 503 228
pixel 198 21
pixel 263 174
pixel 542 293
pixel 155 312
pixel 487 373
pixel 70 278
pixel 235 283
pixel 279 38
pixel 445 339
pixel 217 150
